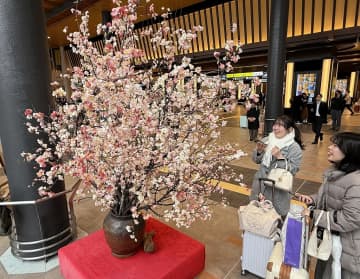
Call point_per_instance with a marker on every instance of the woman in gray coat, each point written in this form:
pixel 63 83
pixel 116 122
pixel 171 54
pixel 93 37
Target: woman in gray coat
pixel 340 196
pixel 282 147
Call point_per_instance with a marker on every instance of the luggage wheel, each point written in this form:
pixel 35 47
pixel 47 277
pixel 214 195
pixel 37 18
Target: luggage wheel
pixel 243 272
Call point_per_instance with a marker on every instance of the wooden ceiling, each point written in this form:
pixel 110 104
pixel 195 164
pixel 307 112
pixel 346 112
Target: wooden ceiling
pixel 311 24
pixel 51 4
pixel 58 14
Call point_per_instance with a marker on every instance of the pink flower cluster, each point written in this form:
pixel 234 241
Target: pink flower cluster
pixel 139 142
pixel 232 55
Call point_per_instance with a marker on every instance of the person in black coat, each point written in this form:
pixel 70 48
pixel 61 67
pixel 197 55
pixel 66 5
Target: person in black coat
pixel 296 105
pixel 319 111
pixel 253 120
pixel 337 108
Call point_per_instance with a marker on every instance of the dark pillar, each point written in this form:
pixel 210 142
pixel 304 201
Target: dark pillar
pixel 276 61
pixel 105 17
pixel 24 83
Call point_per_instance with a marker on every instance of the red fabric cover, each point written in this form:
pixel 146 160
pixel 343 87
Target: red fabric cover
pixel 177 256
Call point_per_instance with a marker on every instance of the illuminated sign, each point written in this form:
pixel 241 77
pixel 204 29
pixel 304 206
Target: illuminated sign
pixel 245 75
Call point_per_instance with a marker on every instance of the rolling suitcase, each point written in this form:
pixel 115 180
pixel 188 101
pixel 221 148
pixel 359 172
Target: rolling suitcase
pixel 276 268
pixel 256 248
pixel 255 254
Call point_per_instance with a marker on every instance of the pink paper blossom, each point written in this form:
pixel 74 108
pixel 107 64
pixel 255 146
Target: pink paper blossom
pixel 28 113
pixel 140 143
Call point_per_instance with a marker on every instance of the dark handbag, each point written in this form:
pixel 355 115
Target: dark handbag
pixel 5 221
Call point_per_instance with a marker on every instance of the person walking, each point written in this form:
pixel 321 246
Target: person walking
pixel 339 195
pixel 304 109
pixel 296 105
pixel 348 102
pixel 283 147
pixel 253 120
pixel 319 111
pixel 337 107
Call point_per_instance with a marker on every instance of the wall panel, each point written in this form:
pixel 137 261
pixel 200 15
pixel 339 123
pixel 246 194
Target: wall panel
pixel 221 26
pixel 339 14
pixel 228 21
pixel 204 33
pixel 307 16
pixel 234 16
pixel 210 29
pixel 298 17
pixel 350 13
pixel 256 16
pixel 242 25
pixel 290 19
pixel 248 16
pixel 264 22
pixel 216 29
pixel 317 16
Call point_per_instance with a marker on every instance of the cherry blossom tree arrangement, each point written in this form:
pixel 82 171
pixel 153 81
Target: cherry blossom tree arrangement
pixel 140 143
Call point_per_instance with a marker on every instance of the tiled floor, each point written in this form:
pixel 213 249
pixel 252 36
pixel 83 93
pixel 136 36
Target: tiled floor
pixel 221 234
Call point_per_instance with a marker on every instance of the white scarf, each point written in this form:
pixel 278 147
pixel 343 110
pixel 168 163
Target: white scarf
pixel 280 143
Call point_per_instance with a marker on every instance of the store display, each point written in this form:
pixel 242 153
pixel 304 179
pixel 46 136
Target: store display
pixel 341 84
pixel 306 83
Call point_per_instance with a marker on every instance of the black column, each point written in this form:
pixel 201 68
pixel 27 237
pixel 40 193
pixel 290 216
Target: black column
pixel 276 61
pixel 24 83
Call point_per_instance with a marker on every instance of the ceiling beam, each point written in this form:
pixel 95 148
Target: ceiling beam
pixel 66 6
pixel 47 5
pixel 56 2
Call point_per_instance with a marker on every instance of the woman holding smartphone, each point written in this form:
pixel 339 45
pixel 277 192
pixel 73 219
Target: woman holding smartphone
pixel 282 147
pixel 340 196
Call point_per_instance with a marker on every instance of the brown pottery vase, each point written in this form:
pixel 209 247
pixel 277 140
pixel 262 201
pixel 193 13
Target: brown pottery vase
pixel 118 238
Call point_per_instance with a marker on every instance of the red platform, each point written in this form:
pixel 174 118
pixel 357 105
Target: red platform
pixel 177 256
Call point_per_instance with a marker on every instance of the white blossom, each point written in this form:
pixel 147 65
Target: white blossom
pixel 139 143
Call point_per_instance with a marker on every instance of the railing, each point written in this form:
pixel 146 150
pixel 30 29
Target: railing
pixel 15 244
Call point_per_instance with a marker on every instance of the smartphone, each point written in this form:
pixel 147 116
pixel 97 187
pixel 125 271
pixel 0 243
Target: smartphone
pixel 320 233
pixel 263 141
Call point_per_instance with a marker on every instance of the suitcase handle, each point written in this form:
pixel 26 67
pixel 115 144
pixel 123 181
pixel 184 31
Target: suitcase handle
pixel 273 184
pixel 267 180
pixel 262 180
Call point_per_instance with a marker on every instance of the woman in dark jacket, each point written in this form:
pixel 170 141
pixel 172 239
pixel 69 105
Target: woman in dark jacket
pixel 340 196
pixel 253 120
pixel 337 108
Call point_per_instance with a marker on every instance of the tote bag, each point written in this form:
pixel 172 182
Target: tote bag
pixel 282 177
pixel 293 237
pixel 259 217
pixel 318 248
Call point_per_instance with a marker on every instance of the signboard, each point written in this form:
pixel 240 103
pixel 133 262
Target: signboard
pixel 245 75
